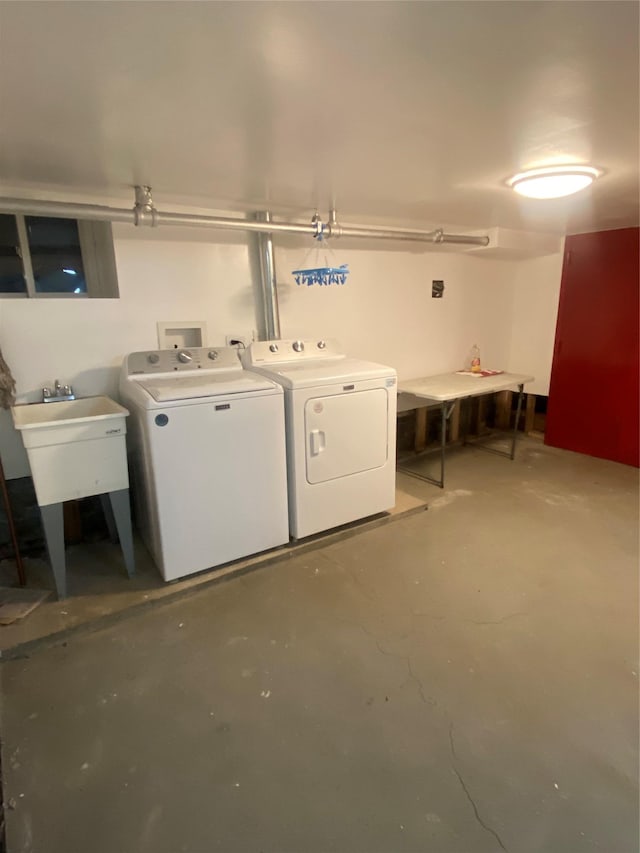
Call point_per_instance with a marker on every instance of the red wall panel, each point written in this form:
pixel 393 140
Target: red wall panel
pixel 593 397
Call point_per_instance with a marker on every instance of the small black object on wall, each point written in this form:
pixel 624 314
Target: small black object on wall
pixel 437 288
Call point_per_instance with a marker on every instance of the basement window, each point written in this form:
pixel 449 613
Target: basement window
pixel 51 257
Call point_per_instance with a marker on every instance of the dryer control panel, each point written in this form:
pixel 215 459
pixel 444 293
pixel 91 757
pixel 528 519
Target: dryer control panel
pixel 193 358
pixel 293 350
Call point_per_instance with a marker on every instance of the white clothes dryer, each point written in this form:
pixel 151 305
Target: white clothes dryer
pixel 207 456
pixel 341 431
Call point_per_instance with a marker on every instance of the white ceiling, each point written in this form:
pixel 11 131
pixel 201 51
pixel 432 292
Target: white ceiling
pixel 400 112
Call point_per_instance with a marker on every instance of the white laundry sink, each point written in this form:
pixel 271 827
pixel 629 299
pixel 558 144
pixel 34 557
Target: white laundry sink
pixel 76 448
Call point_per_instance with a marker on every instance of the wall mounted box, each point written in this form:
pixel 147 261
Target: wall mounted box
pixel 180 334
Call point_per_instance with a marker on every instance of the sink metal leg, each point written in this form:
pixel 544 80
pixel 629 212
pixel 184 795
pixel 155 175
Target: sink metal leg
pixel 108 517
pixel 53 524
pixel 121 509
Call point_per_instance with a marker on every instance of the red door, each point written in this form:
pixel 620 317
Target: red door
pixel 593 397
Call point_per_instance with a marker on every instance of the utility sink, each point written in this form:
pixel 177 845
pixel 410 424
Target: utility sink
pixel 76 448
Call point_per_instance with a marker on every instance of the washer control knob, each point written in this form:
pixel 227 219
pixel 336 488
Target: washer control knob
pixel 213 354
pixel 322 344
pixel 298 346
pixel 185 356
pixel 273 347
pixel 153 358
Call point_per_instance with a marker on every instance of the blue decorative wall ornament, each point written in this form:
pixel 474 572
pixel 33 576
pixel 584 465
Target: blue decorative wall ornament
pixel 320 274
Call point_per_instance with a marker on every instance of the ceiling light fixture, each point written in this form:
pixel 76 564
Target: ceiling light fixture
pixel 553 181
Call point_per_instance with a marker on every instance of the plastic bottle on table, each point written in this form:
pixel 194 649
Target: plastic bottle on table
pixel 475 359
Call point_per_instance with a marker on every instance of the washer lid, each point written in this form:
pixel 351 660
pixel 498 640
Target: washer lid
pixel 326 372
pixel 183 387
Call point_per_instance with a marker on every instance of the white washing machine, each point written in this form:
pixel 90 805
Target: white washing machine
pixel 341 431
pixel 207 455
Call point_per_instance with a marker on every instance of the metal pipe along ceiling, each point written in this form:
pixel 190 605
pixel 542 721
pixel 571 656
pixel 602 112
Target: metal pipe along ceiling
pixel 145 213
pixel 67 210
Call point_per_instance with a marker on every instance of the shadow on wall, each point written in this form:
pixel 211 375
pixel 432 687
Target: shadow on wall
pixel 97 380
pixel 87 383
pixel 245 299
pixel 285 289
pixel 176 234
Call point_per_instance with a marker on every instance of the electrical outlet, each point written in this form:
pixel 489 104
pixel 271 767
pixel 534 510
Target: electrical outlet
pixel 243 338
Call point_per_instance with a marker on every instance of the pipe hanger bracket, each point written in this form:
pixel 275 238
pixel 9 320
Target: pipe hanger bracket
pixel 144 210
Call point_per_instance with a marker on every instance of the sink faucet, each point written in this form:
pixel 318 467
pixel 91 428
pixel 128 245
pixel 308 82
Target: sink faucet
pixel 59 393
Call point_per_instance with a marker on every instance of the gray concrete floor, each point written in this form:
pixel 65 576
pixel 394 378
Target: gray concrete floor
pixel 464 679
pixel 99 589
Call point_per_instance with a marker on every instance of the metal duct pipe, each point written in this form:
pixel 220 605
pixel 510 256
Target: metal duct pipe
pixel 236 224
pixel 144 216
pixel 268 287
pixel 145 213
pixel 437 236
pixel 381 233
pixel 464 239
pixel 67 210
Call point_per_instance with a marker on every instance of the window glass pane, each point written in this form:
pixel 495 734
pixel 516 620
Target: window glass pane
pixel 55 255
pixel 11 277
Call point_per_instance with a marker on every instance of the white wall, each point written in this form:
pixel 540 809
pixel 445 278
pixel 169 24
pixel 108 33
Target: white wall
pixel 536 291
pixel 385 312
pixel 168 276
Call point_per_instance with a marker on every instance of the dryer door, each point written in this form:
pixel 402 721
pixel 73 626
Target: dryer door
pixel 345 434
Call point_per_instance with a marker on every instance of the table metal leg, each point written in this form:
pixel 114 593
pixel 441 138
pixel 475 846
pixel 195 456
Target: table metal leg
pixel 515 428
pixel 443 442
pixel 445 414
pixel 511 453
pixel 465 407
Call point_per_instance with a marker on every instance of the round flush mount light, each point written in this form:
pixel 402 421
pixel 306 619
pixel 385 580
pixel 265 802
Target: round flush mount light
pixel 553 181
